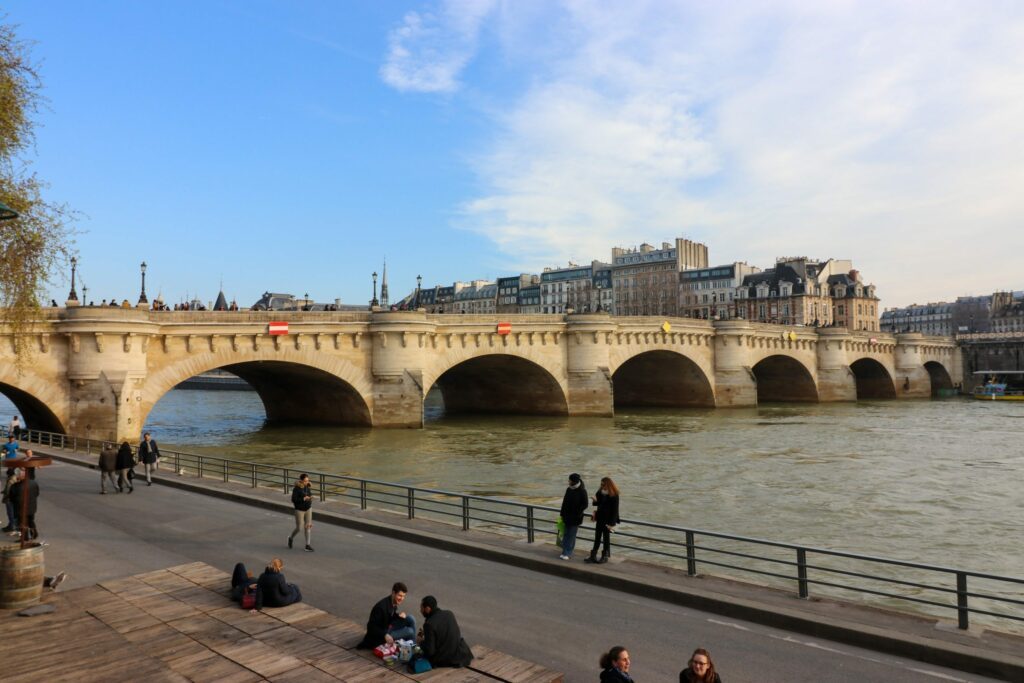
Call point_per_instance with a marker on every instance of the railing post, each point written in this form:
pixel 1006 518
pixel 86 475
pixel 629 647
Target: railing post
pixel 284 481
pixel 200 467
pixel 252 474
pixel 74 444
pixel 323 488
pixel 529 524
pixel 177 462
pixel 88 446
pixel 961 600
pixel 691 555
pixel 225 471
pixel 465 513
pixel 362 494
pixel 412 502
pixel 801 572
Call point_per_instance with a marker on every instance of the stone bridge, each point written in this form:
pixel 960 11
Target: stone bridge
pixel 99 371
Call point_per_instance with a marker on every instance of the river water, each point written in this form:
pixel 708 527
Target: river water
pixel 933 481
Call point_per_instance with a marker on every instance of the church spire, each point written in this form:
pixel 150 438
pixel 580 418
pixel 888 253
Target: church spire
pixel 384 286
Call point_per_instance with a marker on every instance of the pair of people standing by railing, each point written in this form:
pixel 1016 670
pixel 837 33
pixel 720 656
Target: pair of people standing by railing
pixel 605 517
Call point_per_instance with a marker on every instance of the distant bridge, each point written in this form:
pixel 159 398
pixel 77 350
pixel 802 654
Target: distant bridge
pixel 99 371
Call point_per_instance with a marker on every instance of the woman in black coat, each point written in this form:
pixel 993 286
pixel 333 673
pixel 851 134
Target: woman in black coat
pixel 700 669
pixel 272 590
pixel 615 666
pixel 606 500
pixel 125 462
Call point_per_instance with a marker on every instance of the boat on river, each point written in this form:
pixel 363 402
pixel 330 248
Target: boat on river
pixel 1000 386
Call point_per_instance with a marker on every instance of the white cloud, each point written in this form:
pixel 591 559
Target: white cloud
pixel 889 133
pixel 429 50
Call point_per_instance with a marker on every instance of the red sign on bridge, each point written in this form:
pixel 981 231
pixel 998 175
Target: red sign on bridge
pixel 504 328
pixel 277 328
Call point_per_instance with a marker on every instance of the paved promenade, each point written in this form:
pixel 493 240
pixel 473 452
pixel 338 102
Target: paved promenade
pixel 556 621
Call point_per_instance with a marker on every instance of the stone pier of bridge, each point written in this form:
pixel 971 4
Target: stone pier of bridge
pixel 98 372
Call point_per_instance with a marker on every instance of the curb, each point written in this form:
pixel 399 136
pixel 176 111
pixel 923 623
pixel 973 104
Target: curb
pixel 927 650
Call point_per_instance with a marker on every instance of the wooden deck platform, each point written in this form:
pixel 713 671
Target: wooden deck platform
pixel 179 624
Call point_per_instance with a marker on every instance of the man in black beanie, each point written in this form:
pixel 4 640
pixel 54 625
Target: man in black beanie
pixel 574 504
pixel 441 639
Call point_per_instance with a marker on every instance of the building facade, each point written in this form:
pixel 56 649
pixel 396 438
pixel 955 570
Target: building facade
pixel 1008 312
pixel 478 297
pixel 645 280
pixel 799 291
pixel 710 293
pixel 854 304
pixel 529 299
pixel 509 288
pixel 930 318
pixel 562 289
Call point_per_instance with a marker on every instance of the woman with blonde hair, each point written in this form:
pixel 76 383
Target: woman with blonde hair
pixel 606 516
pixel 272 590
pixel 700 669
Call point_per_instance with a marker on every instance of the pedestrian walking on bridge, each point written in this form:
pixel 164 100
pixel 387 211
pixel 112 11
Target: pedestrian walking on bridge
pixel 302 499
pixel 125 463
pixel 606 517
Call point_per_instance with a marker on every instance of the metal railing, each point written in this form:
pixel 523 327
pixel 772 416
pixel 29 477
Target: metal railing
pixel 892 583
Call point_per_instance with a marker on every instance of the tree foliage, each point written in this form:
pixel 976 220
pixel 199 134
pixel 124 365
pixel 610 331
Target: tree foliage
pixel 40 239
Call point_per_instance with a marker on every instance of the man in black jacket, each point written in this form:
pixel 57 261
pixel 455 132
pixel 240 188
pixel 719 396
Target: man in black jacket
pixel 18 491
pixel 574 505
pixel 441 640
pixel 385 620
pixel 302 499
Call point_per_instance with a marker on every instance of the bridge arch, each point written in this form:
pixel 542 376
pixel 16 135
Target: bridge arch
pixel 784 379
pixel 311 389
pixel 661 378
pixel 500 383
pixel 873 379
pixel 36 399
pixel 939 376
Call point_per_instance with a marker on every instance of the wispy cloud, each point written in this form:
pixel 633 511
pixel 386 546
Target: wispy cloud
pixel 890 133
pixel 430 49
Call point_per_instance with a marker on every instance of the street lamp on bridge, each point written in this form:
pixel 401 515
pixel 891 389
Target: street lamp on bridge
pixel 373 302
pixel 73 295
pixel 142 296
pixel 419 282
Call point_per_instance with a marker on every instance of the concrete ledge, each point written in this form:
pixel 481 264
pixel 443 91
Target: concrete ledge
pixel 904 635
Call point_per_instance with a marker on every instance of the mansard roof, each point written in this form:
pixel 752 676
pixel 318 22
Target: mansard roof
pixel 773 277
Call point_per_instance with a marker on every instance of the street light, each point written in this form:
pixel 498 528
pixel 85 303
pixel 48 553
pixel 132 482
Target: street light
pixel 373 301
pixel 73 295
pixel 85 294
pixel 142 296
pixel 7 213
pixel 419 282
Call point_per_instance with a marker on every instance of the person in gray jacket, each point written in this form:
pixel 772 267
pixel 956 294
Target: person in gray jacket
pixel 108 465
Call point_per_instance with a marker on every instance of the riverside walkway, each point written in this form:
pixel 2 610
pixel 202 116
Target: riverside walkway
pixel 562 617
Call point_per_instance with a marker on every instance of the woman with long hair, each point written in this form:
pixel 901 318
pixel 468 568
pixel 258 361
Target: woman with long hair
pixel 615 666
pixel 700 669
pixel 272 590
pixel 606 516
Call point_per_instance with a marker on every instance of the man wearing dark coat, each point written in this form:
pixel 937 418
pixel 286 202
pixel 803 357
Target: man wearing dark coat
pixel 385 620
pixel 125 462
pixel 574 505
pixel 108 465
pixel 441 642
pixel 28 482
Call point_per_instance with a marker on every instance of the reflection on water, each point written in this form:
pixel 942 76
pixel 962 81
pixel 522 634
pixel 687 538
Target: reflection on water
pixel 930 481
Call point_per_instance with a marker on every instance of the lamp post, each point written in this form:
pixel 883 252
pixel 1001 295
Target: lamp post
pixel 419 283
pixel 142 296
pixel 373 302
pixel 85 294
pixel 73 295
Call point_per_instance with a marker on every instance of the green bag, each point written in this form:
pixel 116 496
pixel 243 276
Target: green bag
pixel 560 535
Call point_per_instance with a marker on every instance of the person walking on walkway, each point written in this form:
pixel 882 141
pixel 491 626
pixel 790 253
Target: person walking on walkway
pixel 615 666
pixel 149 455
pixel 700 669
pixel 26 486
pixel 272 590
pixel 574 506
pixel 606 516
pixel 441 639
pixel 387 622
pixel 15 427
pixel 108 465
pixel 302 499
pixel 125 462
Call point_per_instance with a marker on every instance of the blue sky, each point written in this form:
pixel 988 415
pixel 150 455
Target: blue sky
pixel 292 146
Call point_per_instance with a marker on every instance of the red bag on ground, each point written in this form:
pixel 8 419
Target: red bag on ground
pixel 248 600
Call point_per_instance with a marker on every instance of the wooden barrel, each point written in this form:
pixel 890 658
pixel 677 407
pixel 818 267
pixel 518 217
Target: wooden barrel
pixel 21 576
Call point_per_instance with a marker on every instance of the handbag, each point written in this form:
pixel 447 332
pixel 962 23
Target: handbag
pixel 248 600
pixel 131 474
pixel 560 533
pixel 419 664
